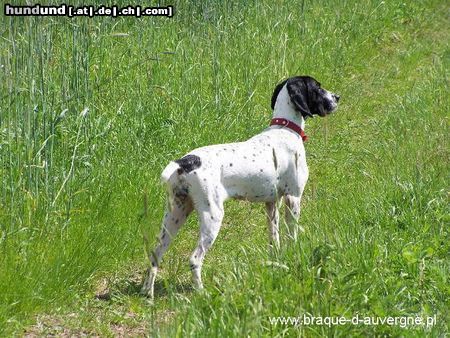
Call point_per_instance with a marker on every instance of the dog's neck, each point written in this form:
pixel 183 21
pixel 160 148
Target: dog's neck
pixel 285 109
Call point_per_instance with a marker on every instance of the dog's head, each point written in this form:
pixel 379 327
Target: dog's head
pixel 307 96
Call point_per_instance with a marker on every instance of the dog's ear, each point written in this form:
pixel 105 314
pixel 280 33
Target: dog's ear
pixel 276 92
pixel 299 93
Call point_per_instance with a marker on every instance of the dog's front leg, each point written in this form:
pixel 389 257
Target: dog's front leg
pixel 273 220
pixel 292 213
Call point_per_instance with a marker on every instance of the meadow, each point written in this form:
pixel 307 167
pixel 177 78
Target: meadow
pixel 92 109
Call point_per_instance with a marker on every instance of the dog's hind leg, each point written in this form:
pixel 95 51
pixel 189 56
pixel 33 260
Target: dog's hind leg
pixel 176 214
pixel 273 220
pixel 210 215
pixel 292 213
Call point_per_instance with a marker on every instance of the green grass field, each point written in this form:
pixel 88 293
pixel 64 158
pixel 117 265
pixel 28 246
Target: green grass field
pixel 73 181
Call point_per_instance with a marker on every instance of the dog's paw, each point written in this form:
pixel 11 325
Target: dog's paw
pixel 146 292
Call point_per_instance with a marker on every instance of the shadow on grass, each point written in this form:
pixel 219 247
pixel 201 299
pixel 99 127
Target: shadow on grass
pixel 132 287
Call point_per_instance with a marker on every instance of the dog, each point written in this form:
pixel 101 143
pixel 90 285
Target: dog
pixel 265 168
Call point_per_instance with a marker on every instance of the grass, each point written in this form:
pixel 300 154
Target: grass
pixel 375 211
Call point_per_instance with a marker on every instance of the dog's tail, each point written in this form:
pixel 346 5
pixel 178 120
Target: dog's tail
pixel 178 168
pixel 174 176
pixel 170 178
pixel 170 172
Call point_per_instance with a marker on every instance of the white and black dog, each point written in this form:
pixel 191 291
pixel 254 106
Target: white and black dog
pixel 267 167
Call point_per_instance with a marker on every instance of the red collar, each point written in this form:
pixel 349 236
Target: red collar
pixel 291 125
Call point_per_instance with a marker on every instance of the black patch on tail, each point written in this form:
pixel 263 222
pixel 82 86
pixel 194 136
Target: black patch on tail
pixel 189 163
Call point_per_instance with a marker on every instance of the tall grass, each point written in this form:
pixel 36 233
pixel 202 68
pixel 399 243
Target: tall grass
pixel 92 109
